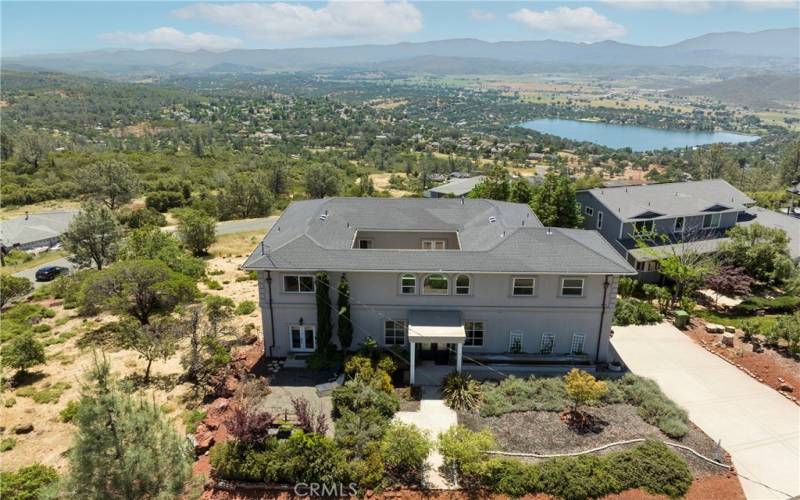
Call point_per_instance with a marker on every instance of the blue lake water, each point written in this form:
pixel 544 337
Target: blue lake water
pixel 631 136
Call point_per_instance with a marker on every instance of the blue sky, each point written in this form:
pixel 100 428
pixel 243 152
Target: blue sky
pixel 43 27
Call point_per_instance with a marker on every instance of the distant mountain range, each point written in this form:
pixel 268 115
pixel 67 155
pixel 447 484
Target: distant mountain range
pixel 771 49
pixel 767 90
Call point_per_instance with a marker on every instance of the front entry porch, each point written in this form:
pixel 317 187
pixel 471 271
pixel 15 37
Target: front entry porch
pixel 437 331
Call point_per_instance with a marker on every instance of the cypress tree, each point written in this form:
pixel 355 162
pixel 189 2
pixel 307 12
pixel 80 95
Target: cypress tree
pixel 344 326
pixel 324 326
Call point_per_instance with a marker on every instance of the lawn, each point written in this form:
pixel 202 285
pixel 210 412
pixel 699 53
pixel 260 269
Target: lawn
pixel 39 260
pixel 765 321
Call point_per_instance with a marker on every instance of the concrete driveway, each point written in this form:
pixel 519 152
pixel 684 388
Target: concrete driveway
pixel 759 427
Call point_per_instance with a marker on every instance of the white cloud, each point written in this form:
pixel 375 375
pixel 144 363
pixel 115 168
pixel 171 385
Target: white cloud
pixel 336 19
pixel 769 4
pixel 481 15
pixel 679 6
pixel 583 23
pixel 171 38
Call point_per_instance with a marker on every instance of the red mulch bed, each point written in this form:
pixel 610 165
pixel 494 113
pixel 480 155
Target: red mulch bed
pixel 769 367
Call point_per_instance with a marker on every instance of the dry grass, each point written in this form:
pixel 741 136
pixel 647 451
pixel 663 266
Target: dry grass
pixel 45 206
pixel 238 244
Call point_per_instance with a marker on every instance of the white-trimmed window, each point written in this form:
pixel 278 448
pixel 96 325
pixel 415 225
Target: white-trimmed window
pixel 548 342
pixel 365 243
pixel 578 340
pixel 642 227
pixel 302 338
pixel 394 332
pixel 463 284
pixel 523 286
pixel 408 284
pixel 599 220
pixel 435 284
pixel 680 223
pixel 434 244
pixel 474 331
pixel 572 287
pixel 588 210
pixel 298 283
pixel 711 221
pixel 515 341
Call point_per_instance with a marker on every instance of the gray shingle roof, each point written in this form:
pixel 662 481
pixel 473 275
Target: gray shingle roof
pixel 458 187
pixel 515 242
pixel 34 227
pixel 671 199
pixel 769 218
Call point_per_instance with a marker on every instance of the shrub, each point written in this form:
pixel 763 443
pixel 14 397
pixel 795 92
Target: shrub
pixel 627 286
pixel 309 419
pixel 327 359
pixel 510 477
pixel 26 483
pixel 8 444
pixel 360 431
pixel 161 201
pixel 191 418
pixel 49 393
pixel 9 402
pixel 405 449
pixel 635 312
pixel 653 467
pixel 585 476
pixel 41 328
pixel 463 452
pixel 515 394
pixel 239 461
pixel 247 423
pixel 583 388
pixel 245 307
pixel 778 305
pixel 213 284
pixel 461 392
pixel 653 406
pixel 312 458
pixel 23 352
pixel 356 396
pixel 376 372
pixel 67 414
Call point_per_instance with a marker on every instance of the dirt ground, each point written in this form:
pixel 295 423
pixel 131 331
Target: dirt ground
pixel 381 182
pixel 68 361
pixel 773 368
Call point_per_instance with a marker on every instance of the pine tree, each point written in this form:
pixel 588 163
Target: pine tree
pixel 344 326
pixel 124 448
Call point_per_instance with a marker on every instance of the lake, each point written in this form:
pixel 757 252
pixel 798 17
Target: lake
pixel 631 136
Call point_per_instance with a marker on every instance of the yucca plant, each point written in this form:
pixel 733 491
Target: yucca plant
pixel 461 392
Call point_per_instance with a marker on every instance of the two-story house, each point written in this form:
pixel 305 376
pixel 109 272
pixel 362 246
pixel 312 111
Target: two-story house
pixel 446 279
pixel 684 215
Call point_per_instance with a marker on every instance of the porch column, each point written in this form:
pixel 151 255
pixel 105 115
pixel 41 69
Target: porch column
pixel 411 359
pixel 458 356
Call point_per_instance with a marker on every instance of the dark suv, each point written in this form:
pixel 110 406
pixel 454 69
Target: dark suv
pixel 50 273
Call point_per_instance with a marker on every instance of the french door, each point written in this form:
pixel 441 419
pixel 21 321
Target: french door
pixel 302 338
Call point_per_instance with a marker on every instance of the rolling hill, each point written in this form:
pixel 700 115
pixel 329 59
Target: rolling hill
pixel 768 90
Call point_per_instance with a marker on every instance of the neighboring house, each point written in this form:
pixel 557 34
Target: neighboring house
pixel 32 231
pixel 436 275
pixel 688 216
pixel 454 189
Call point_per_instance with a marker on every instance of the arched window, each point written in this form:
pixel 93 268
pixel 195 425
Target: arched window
pixel 462 284
pixel 435 284
pixel 408 284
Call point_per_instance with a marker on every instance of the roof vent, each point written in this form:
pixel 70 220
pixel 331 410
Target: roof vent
pixel 323 217
pixel 492 219
pixel 503 234
pixel 549 231
pixel 523 222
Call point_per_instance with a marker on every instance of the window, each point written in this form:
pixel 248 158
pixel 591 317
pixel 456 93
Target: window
pixel 640 265
pixel 408 284
pixel 474 331
pixel 462 284
pixel 523 286
pixel 589 211
pixel 434 244
pixel 394 332
pixel 365 244
pixel 572 287
pixel 298 283
pixel 599 220
pixel 642 227
pixel 577 343
pixel 711 221
pixel 515 341
pixel 435 284
pixel 679 223
pixel 302 338
pixel 548 341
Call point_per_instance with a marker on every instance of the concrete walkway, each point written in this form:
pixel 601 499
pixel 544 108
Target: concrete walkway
pixel 434 417
pixel 758 427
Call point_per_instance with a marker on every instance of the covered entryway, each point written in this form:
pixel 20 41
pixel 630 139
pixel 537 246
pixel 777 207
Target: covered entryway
pixel 435 327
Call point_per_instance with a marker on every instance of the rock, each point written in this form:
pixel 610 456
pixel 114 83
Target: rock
pixel 23 428
pixel 204 439
pixel 785 387
pixel 727 339
pixel 730 329
pixel 249 339
pixel 757 347
pixel 714 328
pixel 217 409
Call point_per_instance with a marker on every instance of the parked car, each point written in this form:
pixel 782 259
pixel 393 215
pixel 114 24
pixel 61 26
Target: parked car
pixel 49 273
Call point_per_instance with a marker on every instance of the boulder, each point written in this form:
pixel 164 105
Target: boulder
pixel 727 339
pixel 784 387
pixel 23 428
pixel 714 328
pixel 730 329
pixel 204 439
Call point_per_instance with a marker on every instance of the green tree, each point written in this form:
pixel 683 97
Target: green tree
pixel 151 243
pixel 23 351
pixel 521 191
pixel 218 309
pixel 495 186
pixel 762 251
pixel 245 196
pixel 714 163
pixel 321 181
pixel 582 388
pixel 33 147
pixel 324 326
pixel 554 202
pixel 13 287
pixel 344 322
pixel 196 230
pixel 155 340
pixel 6 146
pixel 790 164
pixel 124 447
pixel 112 182
pixel 278 179
pixel 93 236
pixel 141 288
pixel 28 483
